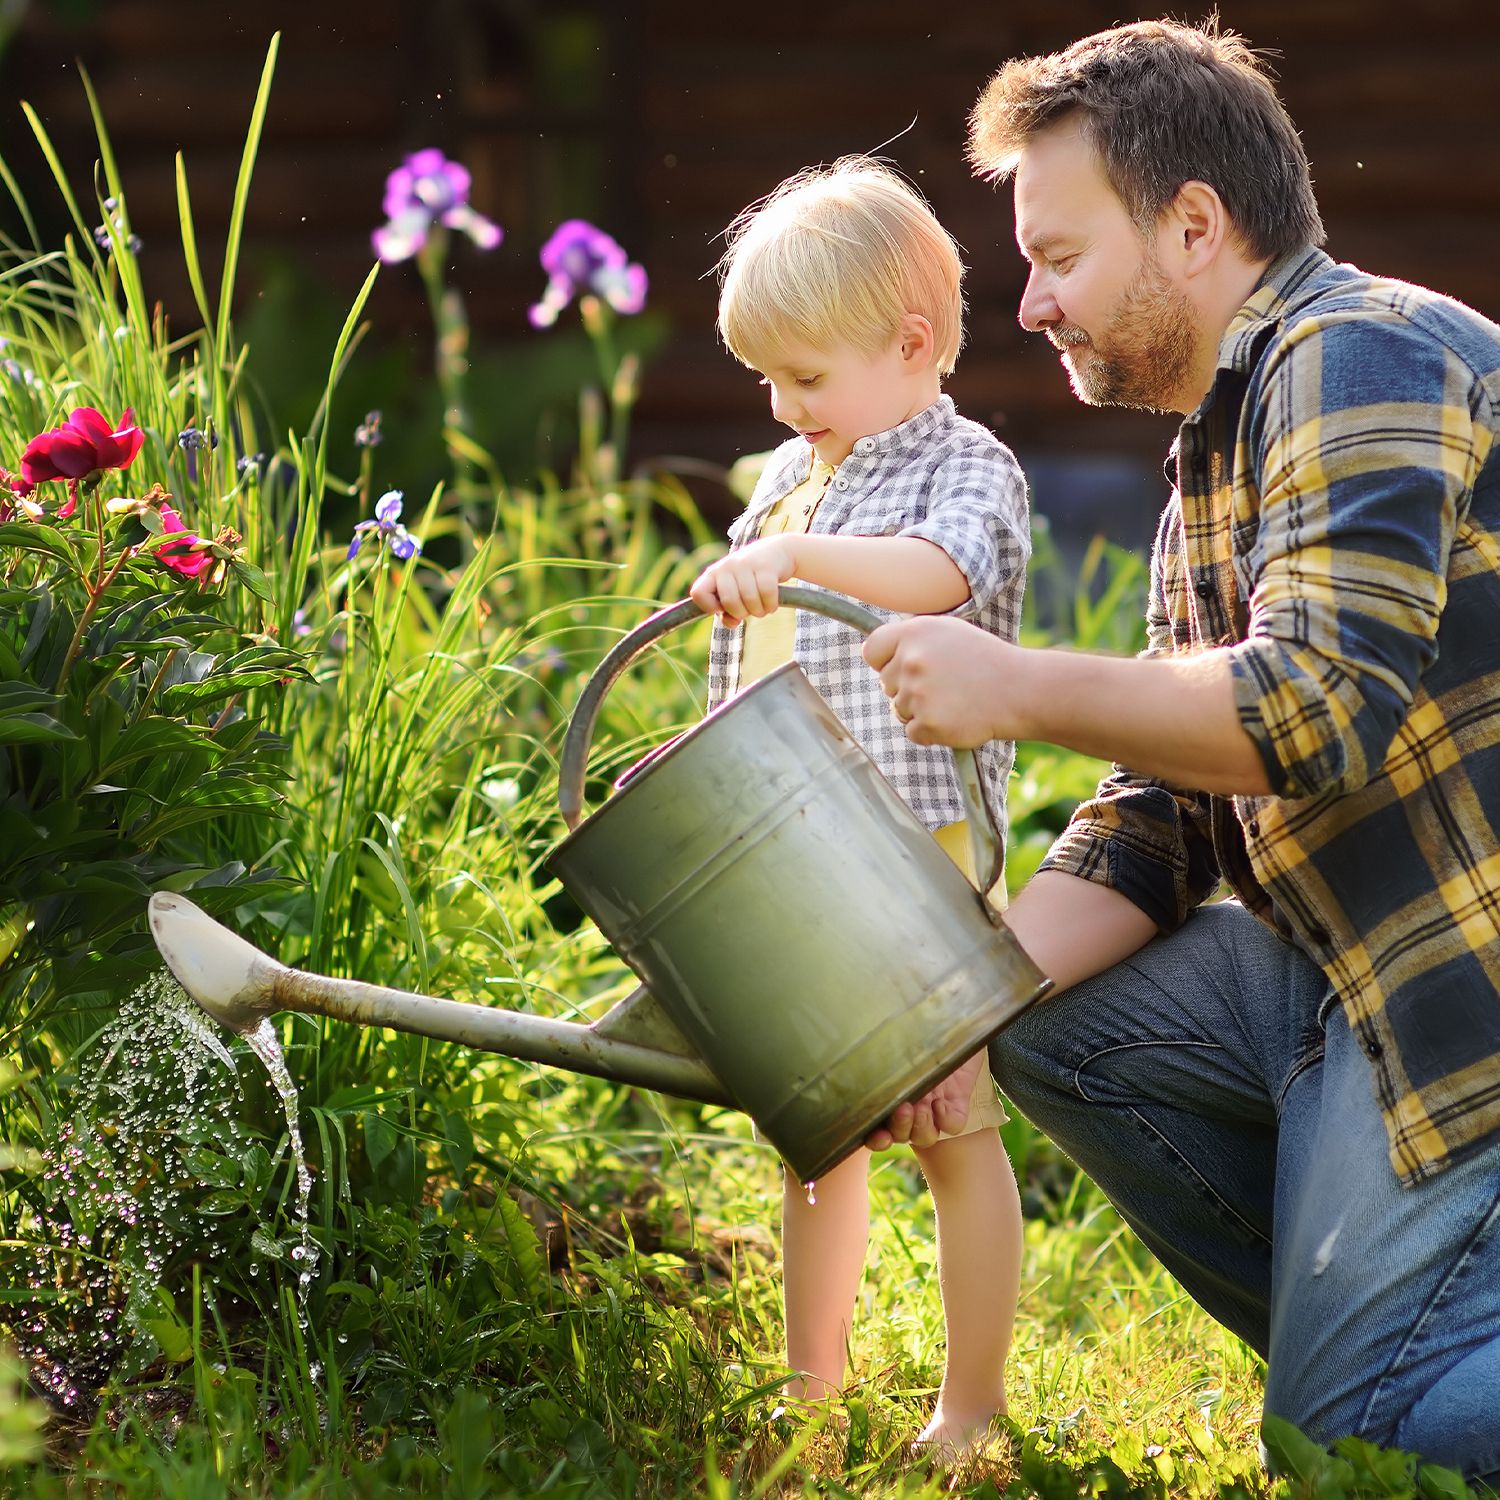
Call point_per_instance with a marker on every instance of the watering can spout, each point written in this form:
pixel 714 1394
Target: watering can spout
pixel 239 986
pixel 231 979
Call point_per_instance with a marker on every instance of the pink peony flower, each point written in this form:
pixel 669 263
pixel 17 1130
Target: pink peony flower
pixel 189 554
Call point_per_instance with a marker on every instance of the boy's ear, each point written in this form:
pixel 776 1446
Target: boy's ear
pixel 918 346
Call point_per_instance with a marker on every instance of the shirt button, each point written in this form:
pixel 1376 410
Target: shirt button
pixel 865 445
pixel 1203 588
pixel 841 483
pixel 1371 1046
pixel 1253 827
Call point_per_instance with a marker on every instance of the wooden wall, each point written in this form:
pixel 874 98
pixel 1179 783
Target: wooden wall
pixel 660 119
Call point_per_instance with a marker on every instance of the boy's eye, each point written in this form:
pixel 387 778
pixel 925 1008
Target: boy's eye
pixel 807 382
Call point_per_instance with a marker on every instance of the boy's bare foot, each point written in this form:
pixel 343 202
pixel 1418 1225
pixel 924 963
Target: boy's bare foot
pixel 950 1436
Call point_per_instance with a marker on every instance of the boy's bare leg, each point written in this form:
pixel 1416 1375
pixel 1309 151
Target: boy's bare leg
pixel 823 1247
pixel 979 1271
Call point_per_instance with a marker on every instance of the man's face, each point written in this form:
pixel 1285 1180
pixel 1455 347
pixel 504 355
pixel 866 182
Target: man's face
pixel 1127 334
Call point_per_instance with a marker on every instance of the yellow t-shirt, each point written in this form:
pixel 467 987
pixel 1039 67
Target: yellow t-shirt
pixel 770 640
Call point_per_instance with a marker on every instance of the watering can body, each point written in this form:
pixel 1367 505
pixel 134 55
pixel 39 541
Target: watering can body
pixel 801 928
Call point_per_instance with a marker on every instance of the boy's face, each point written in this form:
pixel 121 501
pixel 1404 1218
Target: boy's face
pixel 834 397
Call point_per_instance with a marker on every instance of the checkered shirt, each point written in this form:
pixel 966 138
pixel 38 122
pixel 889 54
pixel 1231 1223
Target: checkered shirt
pixel 1335 527
pixel 937 476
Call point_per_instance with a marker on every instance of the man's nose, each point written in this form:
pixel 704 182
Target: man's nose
pixel 1039 307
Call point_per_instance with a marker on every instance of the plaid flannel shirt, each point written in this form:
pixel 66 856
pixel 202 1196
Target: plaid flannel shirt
pixel 1335 526
pixel 938 476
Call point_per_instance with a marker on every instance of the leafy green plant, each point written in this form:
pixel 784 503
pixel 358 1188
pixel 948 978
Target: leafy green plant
pixel 123 738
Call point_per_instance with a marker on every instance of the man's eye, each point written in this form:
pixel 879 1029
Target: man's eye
pixel 1066 264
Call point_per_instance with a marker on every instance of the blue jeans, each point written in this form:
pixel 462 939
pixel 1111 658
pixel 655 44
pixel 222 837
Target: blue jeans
pixel 1239 1136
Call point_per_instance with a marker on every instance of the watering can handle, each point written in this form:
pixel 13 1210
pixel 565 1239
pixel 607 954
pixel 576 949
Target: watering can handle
pixel 989 852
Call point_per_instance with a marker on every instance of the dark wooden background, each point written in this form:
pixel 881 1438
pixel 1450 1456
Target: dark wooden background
pixel 659 120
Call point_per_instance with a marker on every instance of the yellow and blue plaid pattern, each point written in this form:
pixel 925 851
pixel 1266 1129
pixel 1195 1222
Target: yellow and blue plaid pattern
pixel 1335 525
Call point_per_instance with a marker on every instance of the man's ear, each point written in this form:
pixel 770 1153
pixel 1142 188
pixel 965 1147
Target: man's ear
pixel 1199 227
pixel 918 345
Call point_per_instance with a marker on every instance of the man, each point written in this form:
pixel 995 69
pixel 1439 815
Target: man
pixel 1293 1096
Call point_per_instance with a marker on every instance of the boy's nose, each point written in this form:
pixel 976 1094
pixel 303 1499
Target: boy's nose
pixel 783 406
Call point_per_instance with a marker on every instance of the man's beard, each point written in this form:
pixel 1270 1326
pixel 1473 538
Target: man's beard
pixel 1142 357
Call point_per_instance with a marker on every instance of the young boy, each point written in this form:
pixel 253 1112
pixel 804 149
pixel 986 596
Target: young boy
pixel 843 292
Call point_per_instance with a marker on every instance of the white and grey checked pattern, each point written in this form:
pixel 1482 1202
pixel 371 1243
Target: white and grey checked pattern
pixel 938 476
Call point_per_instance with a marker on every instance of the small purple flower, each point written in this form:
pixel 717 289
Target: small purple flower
pixel 388 528
pixel 367 434
pixel 192 442
pixel 580 258
pixel 424 190
pixel 117 219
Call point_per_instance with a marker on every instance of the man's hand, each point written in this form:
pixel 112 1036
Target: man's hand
pixel 946 679
pixel 748 581
pixel 942 1110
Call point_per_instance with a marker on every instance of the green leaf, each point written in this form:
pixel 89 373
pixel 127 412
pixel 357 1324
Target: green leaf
pixel 1442 1484
pixel 458 1141
pixel 218 686
pixel 380 1137
pixel 1292 1454
pixel 525 1248
pixel 32 729
pixel 253 579
pixel 221 1202
pixel 385 1403
pixel 150 738
pixel 36 536
pixel 172 1335
pixel 24 697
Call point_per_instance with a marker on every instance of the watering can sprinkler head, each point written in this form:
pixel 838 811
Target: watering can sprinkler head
pixel 231 979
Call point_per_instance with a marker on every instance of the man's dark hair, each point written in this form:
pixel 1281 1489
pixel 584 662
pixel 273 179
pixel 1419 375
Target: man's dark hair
pixel 1162 103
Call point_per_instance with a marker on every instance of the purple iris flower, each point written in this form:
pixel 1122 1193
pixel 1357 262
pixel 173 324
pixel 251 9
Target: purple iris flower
pixel 424 190
pixel 580 258
pixel 388 528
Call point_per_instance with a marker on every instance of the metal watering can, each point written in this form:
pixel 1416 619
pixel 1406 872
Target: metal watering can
pixel 809 954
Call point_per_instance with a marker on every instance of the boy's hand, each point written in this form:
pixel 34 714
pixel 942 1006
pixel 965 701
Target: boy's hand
pixel 748 581
pixel 947 680
pixel 942 1110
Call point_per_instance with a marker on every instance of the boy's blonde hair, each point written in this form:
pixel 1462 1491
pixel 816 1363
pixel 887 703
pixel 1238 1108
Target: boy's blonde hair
pixel 836 255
